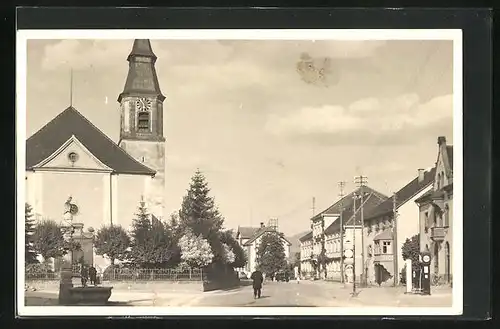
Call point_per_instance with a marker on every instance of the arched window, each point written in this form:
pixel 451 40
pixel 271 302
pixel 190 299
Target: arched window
pixel 442 179
pixel 143 122
pixel 438 181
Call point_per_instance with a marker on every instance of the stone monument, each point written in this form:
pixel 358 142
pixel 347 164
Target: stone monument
pixel 68 294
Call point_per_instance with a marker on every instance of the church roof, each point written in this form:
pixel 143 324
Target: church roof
pixel 71 122
pixel 141 47
pixel 141 77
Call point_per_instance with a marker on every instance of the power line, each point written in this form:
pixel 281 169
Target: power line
pixel 341 195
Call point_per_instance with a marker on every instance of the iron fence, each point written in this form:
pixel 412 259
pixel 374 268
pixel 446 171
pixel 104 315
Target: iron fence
pixel 120 274
pixel 125 274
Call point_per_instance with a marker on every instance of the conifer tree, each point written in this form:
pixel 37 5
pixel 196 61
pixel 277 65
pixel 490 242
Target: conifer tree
pixel 152 243
pixel 29 229
pixel 271 253
pixel 199 214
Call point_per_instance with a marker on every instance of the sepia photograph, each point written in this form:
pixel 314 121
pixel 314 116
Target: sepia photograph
pixel 239 172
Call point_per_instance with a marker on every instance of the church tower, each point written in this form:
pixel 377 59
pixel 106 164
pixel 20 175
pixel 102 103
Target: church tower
pixel 141 127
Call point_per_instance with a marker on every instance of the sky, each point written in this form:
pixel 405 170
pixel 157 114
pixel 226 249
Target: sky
pixel 267 136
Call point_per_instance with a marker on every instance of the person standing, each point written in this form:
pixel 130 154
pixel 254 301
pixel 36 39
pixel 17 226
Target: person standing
pixel 257 279
pixel 93 275
pixel 84 274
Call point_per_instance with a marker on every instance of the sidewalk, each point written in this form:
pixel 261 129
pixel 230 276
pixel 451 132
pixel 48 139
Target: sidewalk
pixel 392 297
pixel 122 298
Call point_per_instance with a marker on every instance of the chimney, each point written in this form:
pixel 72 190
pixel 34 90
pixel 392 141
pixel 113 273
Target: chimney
pixel 262 224
pixel 441 140
pixel 421 173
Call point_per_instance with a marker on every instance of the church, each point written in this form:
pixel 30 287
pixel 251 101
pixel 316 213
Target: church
pixel 71 159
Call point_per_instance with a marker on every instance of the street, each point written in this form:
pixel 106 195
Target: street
pixel 274 294
pixel 321 294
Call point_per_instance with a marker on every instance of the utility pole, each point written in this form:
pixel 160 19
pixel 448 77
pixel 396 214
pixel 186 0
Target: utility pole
pixel 395 239
pixel 341 195
pixel 361 181
pixel 355 196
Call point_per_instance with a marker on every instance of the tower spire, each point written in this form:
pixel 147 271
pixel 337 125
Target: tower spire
pixel 142 78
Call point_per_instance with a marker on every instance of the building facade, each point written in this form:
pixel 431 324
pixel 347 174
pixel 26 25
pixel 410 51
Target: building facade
pixel 321 248
pixel 250 238
pixel 378 230
pixel 436 216
pixel 71 159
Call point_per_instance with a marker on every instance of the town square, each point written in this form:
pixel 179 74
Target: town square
pixel 239 173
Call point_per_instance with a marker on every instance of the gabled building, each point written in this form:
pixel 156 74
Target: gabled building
pixel 436 216
pixel 71 157
pixel 379 234
pixel 326 234
pixel 249 239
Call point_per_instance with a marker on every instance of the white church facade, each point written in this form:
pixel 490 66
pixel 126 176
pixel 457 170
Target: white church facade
pixel 70 157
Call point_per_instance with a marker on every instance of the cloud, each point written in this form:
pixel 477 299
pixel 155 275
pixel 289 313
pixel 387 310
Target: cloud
pixel 396 120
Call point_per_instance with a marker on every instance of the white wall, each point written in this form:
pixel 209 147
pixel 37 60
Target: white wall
pixel 408 224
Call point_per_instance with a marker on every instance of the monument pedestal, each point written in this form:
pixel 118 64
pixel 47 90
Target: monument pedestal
pixel 66 280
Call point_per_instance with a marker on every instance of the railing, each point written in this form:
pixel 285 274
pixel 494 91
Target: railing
pixel 383 258
pixel 122 274
pixel 437 233
pixel 118 274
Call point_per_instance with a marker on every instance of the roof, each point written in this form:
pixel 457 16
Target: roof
pixel 262 230
pixel 142 47
pixel 369 205
pixel 247 232
pixel 141 77
pixel 346 201
pixel 404 194
pixel 307 236
pixel 385 235
pixel 71 122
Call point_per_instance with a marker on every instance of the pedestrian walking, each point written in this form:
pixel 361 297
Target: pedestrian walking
pixel 257 279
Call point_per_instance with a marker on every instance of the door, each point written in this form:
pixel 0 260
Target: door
pixel 447 264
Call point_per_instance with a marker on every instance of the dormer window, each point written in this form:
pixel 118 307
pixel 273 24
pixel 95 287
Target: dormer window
pixel 143 122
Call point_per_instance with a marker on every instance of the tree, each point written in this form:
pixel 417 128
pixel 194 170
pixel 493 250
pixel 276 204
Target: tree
pixel 113 242
pixel 410 250
pixel 240 258
pixel 48 240
pixel 152 243
pixel 271 253
pixel 199 214
pixel 29 229
pixel 195 250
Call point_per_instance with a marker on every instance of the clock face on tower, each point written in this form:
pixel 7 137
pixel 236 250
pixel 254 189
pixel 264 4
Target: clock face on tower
pixel 143 104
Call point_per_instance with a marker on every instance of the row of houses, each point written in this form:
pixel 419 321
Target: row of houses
pixel 423 206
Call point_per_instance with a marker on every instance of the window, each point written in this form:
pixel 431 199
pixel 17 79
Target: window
pixel 370 251
pixel 377 247
pixel 426 223
pixel 385 247
pixel 446 216
pixel 442 180
pixel 143 122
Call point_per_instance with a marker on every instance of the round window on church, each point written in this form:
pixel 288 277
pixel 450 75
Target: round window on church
pixel 73 157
